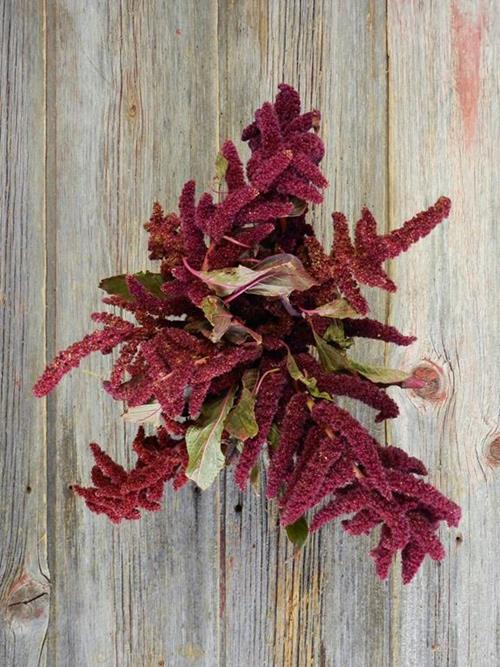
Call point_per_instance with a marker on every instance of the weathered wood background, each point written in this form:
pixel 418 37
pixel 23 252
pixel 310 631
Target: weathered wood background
pixel 108 105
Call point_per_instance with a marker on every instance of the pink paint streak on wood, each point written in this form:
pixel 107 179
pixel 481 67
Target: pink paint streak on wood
pixel 467 33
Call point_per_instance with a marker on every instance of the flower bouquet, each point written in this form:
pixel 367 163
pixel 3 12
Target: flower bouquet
pixel 235 351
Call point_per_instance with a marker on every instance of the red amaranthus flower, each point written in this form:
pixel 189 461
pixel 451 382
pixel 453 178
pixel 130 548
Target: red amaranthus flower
pixel 243 338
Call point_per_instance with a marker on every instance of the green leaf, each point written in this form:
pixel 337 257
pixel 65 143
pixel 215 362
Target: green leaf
pixel 278 275
pixel 117 285
pixel 334 360
pixel 224 323
pixel 331 359
pixel 250 378
pixel 241 422
pixel 338 309
pixel 226 281
pixel 273 436
pixel 335 334
pixel 293 369
pixel 310 383
pixel 380 374
pixel 150 413
pixel 203 441
pixel 221 164
pixel 255 478
pixel 297 532
pixel 217 315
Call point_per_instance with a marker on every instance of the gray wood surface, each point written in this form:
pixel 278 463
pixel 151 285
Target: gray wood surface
pixel 24 586
pixel 107 106
pixel 443 138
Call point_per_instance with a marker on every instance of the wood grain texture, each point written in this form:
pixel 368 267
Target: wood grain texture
pixel 135 115
pixel 312 609
pixel 128 100
pixel 24 584
pixel 444 129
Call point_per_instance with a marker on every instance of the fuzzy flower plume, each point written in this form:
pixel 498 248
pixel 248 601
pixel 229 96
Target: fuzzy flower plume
pixel 367 328
pixel 120 494
pixel 266 407
pixel 235 348
pixel 353 386
pixel 292 429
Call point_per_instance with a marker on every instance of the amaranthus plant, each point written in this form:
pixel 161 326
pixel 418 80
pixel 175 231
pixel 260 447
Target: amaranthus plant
pixel 238 347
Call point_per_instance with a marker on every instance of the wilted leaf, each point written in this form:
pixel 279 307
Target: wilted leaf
pixel 299 207
pixel 335 334
pixel 310 383
pixel 297 532
pixel 331 359
pixel 283 274
pixel 380 374
pixel 224 323
pixel 278 275
pixel 338 309
pixel 224 281
pixel 117 285
pixel 203 441
pixel 150 413
pixel 238 333
pixel 241 422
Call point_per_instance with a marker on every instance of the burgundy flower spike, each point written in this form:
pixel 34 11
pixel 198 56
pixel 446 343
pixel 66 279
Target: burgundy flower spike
pixel 236 350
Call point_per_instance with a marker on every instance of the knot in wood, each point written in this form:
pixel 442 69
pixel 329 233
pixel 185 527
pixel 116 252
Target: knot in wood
pixel 435 385
pixel 493 455
pixel 27 600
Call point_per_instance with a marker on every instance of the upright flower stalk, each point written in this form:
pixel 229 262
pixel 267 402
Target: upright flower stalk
pixel 235 351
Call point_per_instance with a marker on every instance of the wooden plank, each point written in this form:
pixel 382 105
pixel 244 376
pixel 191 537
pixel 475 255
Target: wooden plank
pixel 133 95
pixel 24 584
pixel 324 607
pixel 134 111
pixel 444 129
